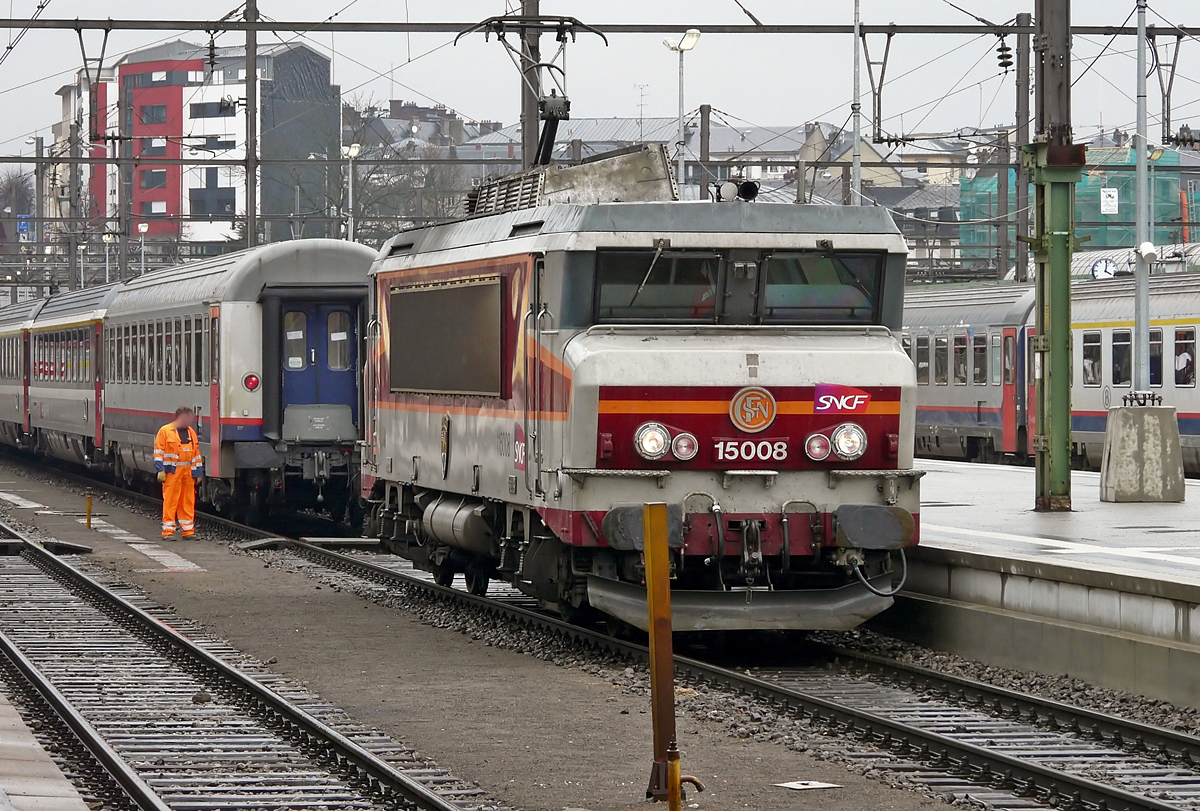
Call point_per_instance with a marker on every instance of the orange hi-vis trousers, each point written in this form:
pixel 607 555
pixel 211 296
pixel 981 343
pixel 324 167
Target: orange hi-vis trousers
pixel 179 503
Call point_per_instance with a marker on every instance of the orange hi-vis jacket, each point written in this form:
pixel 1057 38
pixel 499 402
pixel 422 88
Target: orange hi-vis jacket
pixel 168 448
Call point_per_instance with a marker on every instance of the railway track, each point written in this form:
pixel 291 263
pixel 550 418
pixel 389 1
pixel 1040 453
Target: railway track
pixel 1002 748
pixel 177 727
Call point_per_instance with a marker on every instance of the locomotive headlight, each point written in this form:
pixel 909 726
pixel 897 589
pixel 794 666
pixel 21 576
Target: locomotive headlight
pixel 849 441
pixel 685 446
pixel 652 441
pixel 817 447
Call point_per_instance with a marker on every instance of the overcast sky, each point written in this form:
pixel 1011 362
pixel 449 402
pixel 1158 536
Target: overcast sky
pixel 940 82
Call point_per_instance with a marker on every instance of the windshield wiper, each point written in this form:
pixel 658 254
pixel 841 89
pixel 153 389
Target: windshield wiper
pixel 659 246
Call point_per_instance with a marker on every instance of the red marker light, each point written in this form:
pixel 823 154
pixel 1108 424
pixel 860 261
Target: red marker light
pixel 251 382
pixel 817 447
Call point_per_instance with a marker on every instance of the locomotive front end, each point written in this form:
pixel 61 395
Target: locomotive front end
pixel 752 383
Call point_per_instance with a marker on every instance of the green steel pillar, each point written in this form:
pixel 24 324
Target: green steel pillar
pixel 1054 170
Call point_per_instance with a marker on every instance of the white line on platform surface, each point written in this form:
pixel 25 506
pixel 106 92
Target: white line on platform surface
pixel 20 501
pixel 172 561
pixel 1069 547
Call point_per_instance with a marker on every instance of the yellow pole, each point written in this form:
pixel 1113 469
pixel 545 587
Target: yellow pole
pixel 89 508
pixel 662 657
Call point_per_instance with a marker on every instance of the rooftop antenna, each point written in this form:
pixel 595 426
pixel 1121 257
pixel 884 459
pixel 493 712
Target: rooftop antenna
pixel 556 106
pixel 641 111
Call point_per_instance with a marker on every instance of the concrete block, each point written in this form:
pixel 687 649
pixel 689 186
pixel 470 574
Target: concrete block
pixel 1104 608
pixel 1143 461
pixel 1018 595
pixel 1072 602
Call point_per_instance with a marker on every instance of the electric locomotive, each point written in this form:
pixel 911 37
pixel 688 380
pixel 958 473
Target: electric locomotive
pixel 539 372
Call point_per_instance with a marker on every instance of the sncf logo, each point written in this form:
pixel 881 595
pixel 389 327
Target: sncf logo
pixel 831 398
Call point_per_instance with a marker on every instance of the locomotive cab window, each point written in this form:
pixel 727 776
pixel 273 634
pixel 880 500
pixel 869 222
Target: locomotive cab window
pixel 295 341
pixel 648 285
pixel 979 364
pixel 1122 357
pixel 1093 371
pixel 822 288
pixel 922 360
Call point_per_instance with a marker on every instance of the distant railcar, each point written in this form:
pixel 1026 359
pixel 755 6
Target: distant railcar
pixel 539 374
pixel 972 349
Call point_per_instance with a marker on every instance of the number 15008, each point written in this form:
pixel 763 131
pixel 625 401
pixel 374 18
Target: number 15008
pixel 750 450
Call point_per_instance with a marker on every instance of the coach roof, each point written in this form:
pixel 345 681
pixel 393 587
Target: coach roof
pixel 243 275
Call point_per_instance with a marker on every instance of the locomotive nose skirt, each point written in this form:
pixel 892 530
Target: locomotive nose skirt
pixel 840 609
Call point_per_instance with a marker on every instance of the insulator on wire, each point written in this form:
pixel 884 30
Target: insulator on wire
pixel 1004 55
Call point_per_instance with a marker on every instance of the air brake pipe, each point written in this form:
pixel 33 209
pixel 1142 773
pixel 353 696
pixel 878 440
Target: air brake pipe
pixel 900 585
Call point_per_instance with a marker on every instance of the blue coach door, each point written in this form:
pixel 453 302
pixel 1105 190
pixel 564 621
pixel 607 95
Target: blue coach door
pixel 320 397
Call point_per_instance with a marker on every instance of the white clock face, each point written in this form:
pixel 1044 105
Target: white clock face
pixel 1104 269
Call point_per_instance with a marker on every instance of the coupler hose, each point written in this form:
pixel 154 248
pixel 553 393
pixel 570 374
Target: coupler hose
pixel 893 592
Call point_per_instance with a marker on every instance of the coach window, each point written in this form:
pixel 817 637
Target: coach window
pixel 163 340
pixel 186 346
pixel 941 361
pixel 215 350
pixel 198 351
pixel 295 341
pixel 179 353
pixel 1010 360
pixel 1185 357
pixel 338 352
pixel 1156 357
pixel 1093 371
pixel 922 361
pixel 169 354
pixel 1122 357
pixel 87 355
pixel 979 362
pixel 960 360
pixel 142 352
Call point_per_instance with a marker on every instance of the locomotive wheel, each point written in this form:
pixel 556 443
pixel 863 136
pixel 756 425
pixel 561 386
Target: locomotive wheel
pixel 442 575
pixel 477 582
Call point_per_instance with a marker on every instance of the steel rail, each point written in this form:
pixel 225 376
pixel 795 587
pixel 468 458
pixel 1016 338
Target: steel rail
pixel 138 791
pixel 940 752
pixel 1031 708
pixel 314 731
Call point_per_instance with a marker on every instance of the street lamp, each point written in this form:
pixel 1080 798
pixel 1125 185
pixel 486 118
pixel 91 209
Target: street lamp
pixel 685 44
pixel 143 227
pixel 350 152
pixel 109 239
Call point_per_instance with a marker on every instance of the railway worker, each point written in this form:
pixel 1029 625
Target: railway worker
pixel 177 460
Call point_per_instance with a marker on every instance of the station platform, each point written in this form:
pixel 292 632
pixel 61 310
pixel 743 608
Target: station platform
pixel 1108 592
pixel 29 779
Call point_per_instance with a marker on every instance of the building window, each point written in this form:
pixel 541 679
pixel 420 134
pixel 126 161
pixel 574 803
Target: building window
pixel 154 208
pixel 154 178
pixel 153 113
pixel 218 202
pixel 158 77
pixel 154 147
pixel 217 142
pixel 195 77
pixel 213 109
